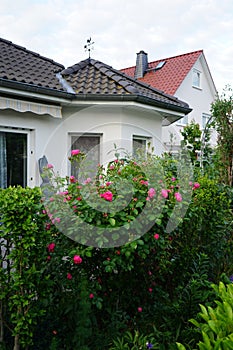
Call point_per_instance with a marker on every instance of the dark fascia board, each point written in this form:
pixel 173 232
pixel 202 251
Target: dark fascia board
pixel 133 98
pixel 91 97
pixel 34 88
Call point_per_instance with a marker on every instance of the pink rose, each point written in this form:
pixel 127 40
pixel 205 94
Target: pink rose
pixel 51 247
pixel 156 236
pixel 87 181
pixel 91 296
pixel 69 276
pixel 72 179
pixel 107 196
pixel 150 290
pixel 49 166
pixel 74 152
pixel 77 259
pixel 151 192
pixel 139 309
pixel 178 197
pixel 196 185
pixel 164 193
pixel 173 179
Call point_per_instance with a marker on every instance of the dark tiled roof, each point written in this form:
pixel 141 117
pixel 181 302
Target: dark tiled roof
pixel 171 75
pixel 21 65
pixel 89 79
pixel 94 77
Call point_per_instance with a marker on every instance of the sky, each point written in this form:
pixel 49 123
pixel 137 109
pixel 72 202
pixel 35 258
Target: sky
pixel 59 29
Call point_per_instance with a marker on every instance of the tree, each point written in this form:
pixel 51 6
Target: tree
pixel 222 111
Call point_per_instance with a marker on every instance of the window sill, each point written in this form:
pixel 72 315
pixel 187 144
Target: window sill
pixel 197 87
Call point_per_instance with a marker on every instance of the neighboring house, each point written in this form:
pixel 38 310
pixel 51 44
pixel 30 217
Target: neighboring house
pixel 47 110
pixel 185 76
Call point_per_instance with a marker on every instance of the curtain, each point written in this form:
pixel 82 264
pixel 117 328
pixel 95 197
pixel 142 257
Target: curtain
pixel 3 161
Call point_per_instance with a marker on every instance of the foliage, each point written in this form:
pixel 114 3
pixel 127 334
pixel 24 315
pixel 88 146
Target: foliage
pixel 134 342
pixel 192 139
pixel 125 290
pixel 223 121
pixel 216 324
pixel 23 276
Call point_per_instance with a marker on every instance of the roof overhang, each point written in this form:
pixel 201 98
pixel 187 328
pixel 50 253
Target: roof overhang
pixel 40 98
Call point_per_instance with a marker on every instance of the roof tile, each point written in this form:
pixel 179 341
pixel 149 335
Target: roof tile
pixel 21 65
pixel 170 76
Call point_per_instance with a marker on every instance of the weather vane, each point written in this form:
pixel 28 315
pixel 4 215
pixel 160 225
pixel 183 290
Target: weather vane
pixel 89 46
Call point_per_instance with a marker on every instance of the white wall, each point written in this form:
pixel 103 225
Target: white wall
pixel 51 136
pixel 198 99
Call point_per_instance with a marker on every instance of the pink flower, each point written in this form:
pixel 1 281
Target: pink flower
pixel 72 179
pixel 57 220
pixel 91 296
pixel 156 236
pixel 150 290
pixel 178 197
pixel 196 185
pixel 151 192
pixel 51 247
pixel 164 193
pixel 74 152
pixel 143 182
pixel 47 226
pixel 107 196
pixel 173 179
pixel 112 167
pixel 79 198
pixel 77 259
pixel 108 183
pixel 69 276
pixel 49 166
pixel 139 309
pixel 190 183
pixel 87 181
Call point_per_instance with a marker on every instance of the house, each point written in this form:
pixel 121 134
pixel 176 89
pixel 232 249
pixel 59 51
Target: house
pixel 47 110
pixel 185 76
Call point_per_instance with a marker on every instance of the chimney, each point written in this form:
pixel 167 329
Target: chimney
pixel 141 64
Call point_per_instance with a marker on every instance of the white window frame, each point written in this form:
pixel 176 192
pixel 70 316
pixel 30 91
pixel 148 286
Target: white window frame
pixel 196 78
pixel 30 178
pixel 139 138
pixel 183 121
pixel 89 135
pixel 204 119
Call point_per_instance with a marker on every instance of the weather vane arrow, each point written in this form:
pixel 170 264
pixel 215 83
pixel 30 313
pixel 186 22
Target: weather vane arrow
pixel 89 46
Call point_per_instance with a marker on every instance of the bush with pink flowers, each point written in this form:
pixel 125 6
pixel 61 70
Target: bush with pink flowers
pixel 128 273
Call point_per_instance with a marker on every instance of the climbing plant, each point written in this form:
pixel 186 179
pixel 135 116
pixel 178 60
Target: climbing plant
pixel 222 111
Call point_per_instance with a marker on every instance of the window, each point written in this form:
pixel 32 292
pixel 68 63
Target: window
pixel 90 145
pixel 139 145
pixel 183 121
pixel 13 159
pixel 205 118
pixel 196 78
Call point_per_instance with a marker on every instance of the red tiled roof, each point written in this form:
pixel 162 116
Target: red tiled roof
pixel 170 76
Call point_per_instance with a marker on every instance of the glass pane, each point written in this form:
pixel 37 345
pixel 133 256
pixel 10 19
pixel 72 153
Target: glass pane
pixel 90 145
pixel 139 145
pixel 16 153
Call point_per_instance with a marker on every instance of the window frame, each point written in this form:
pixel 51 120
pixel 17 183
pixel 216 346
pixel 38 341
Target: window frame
pixel 29 178
pixel 196 83
pixel 136 138
pixel 80 135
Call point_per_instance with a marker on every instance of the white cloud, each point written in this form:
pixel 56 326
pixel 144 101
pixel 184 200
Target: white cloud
pixel 58 29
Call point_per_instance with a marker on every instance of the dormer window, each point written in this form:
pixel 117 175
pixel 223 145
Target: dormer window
pixel 196 78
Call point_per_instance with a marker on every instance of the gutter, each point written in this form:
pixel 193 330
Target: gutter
pixel 64 98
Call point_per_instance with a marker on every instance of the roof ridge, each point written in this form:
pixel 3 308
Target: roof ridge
pixel 183 54
pixel 166 58
pixel 133 81
pixel 31 52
